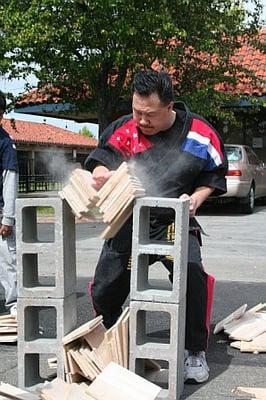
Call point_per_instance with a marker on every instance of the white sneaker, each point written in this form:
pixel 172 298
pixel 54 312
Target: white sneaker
pixel 196 369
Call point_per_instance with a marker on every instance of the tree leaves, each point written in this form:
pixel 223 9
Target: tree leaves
pixel 91 48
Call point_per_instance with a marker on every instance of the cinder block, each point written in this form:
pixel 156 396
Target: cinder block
pixel 31 312
pixel 144 347
pixel 143 247
pixel 35 340
pixel 31 366
pixel 34 254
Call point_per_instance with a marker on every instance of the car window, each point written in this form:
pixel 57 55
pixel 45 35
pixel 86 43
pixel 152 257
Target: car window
pixel 252 157
pixel 233 153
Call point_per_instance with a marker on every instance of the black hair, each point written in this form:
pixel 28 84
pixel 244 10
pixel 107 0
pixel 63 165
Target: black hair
pixel 148 82
pixel 2 102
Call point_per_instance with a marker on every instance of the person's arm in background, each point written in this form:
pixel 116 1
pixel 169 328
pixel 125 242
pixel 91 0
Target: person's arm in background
pixel 10 186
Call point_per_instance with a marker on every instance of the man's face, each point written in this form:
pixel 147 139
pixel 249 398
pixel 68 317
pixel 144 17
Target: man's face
pixel 150 114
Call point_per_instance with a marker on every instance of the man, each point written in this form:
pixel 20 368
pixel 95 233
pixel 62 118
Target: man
pixel 176 154
pixel 8 193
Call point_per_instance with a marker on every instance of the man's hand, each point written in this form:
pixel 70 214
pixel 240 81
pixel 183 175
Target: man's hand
pixel 100 175
pixel 192 204
pixel 5 230
pixel 197 198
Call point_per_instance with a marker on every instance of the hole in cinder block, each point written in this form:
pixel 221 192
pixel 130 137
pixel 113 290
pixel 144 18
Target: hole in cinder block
pixel 155 371
pixel 157 225
pixel 38 270
pixel 150 325
pixel 39 368
pixel 32 228
pixel 154 272
pixel 40 323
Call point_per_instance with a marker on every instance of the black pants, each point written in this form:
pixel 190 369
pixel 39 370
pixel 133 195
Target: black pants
pixel 111 283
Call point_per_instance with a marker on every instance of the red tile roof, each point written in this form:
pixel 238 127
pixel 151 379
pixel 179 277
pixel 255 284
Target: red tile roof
pixel 46 134
pixel 253 60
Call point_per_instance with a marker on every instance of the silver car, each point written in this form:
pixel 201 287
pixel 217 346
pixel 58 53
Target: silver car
pixel 246 176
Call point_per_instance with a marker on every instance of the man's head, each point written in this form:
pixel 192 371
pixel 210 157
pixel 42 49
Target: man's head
pixel 2 106
pixel 153 101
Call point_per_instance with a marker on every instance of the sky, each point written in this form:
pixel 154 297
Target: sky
pixel 17 86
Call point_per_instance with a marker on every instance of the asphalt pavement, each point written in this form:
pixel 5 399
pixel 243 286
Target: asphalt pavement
pixel 233 251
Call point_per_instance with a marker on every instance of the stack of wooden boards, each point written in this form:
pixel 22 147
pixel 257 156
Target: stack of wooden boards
pixel 8 328
pixel 113 383
pixel 90 348
pixel 246 328
pixel 114 200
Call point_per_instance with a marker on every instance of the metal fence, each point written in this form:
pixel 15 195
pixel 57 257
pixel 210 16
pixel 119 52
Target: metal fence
pixel 38 183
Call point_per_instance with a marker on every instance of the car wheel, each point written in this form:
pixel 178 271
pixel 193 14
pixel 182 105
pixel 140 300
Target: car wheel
pixel 248 203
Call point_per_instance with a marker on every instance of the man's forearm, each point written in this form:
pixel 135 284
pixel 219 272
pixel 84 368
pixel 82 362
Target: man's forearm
pixel 201 194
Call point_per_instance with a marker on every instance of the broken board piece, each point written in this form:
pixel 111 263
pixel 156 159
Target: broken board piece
pixel 247 327
pixel 234 315
pixel 95 336
pixel 55 389
pixel 254 393
pixel 82 330
pixel 118 383
pixel 12 392
pixel 256 345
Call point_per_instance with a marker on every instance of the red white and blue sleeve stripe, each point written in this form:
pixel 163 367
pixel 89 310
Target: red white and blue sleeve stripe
pixel 203 142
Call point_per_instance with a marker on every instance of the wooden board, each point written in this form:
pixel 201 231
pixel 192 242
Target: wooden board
pixel 12 392
pixel 118 383
pixel 82 330
pixel 255 393
pixel 234 315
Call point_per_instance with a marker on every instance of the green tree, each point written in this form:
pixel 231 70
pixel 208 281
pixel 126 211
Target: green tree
pixel 90 49
pixel 86 132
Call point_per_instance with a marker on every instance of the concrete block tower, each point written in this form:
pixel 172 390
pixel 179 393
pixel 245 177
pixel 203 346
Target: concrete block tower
pixel 164 302
pixel 46 265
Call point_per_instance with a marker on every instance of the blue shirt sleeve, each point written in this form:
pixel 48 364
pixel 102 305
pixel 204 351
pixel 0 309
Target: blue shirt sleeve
pixel 9 155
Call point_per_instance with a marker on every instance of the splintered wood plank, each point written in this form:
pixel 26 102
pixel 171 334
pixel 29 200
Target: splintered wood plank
pixel 82 330
pixel 67 194
pixel 86 369
pixel 8 317
pixel 234 315
pixel 73 366
pixel 12 392
pixel 77 392
pixel 79 191
pixel 95 337
pixel 256 345
pixel 111 230
pixel 85 179
pixel 88 193
pixel 257 308
pixel 6 338
pixel 104 353
pixel 247 327
pixel 118 383
pixel 55 389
